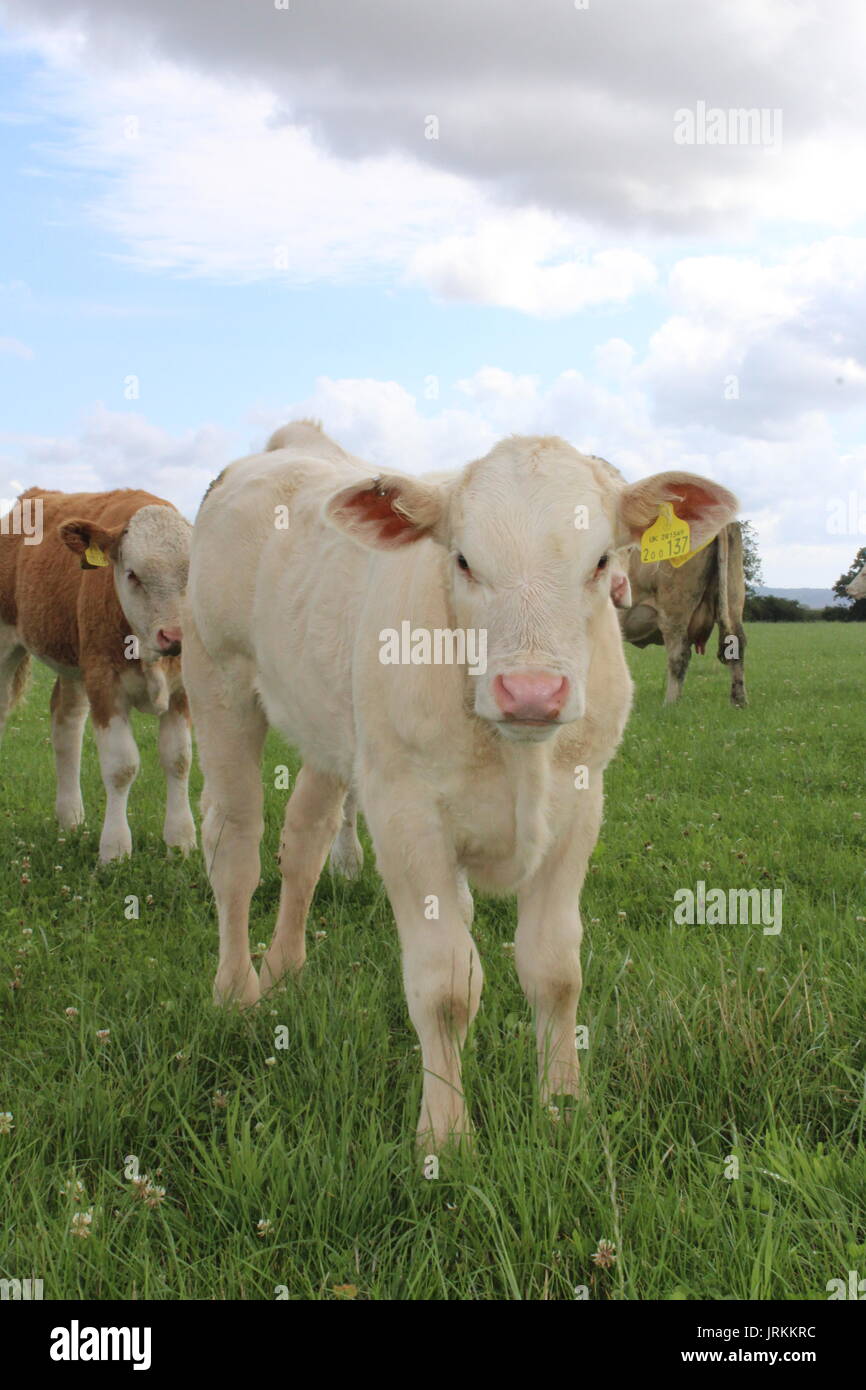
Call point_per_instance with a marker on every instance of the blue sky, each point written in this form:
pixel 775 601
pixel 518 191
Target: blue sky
pixel 217 217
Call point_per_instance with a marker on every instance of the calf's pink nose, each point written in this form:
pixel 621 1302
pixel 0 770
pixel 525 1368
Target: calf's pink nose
pixel 169 636
pixel 530 695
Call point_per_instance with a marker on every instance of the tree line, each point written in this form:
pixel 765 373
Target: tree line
pixel 768 608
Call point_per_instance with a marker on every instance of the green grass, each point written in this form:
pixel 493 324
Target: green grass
pixel 705 1042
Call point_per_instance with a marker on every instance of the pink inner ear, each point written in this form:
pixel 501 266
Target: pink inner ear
pixel 693 502
pixel 374 509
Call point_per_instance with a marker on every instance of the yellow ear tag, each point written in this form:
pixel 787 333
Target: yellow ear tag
pixel 666 539
pixel 96 557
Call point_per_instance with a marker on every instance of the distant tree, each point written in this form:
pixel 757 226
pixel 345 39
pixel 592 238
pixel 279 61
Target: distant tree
pixel 767 608
pixel 836 613
pixel 853 612
pixel 751 559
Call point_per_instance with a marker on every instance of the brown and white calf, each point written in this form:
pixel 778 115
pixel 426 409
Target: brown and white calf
pixel 97 599
pixel 493 778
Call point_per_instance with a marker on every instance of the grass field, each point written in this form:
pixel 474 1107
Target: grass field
pixel 706 1044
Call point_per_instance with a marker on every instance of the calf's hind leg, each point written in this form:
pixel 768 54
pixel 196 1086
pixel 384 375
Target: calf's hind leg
pixel 347 854
pixel 175 754
pixel 732 647
pixel 313 815
pixel 230 731
pixel 678 649
pixel 69 706
pixel 14 665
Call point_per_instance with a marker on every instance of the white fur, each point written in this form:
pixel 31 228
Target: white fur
pixel 449 790
pixel 67 730
pixel 118 763
pixel 150 573
pixel 347 854
pixel 175 755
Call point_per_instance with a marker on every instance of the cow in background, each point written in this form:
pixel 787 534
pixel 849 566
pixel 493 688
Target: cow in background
pixel 96 597
pixel 678 609
pixel 857 587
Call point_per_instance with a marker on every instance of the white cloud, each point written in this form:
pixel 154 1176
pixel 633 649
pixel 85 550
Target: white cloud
pixel 523 262
pixel 571 110
pixel 118 449
pixel 243 146
pixel 14 348
pixel 381 421
pixel 202 177
pixel 754 345
pixel 205 181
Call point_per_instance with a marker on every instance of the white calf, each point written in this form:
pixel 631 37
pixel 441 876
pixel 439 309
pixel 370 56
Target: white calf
pixel 494 777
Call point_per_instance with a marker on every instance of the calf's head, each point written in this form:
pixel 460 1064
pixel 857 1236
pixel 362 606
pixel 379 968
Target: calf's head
pixel 150 557
pixel 528 535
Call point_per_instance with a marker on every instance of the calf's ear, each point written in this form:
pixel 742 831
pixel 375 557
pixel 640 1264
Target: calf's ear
pixel 705 505
pixel 82 536
pixel 389 511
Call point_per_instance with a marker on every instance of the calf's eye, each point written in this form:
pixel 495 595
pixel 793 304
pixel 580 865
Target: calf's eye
pixel 133 579
pixel 602 564
pixel 463 563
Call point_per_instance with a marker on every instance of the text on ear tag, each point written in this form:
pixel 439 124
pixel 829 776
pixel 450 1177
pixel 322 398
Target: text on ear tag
pixel 666 539
pixel 684 559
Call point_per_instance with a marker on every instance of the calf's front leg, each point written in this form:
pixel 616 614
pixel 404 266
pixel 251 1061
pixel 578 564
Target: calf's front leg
pixel 547 945
pixel 119 763
pixel 441 969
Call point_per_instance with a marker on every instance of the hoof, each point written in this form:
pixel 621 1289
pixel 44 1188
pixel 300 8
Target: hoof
pixel 233 992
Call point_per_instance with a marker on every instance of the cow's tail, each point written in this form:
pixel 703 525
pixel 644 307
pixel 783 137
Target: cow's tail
pixel 725 538
pixel 732 636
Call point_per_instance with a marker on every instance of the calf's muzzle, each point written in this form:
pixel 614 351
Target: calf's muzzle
pixel 168 640
pixel 531 697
